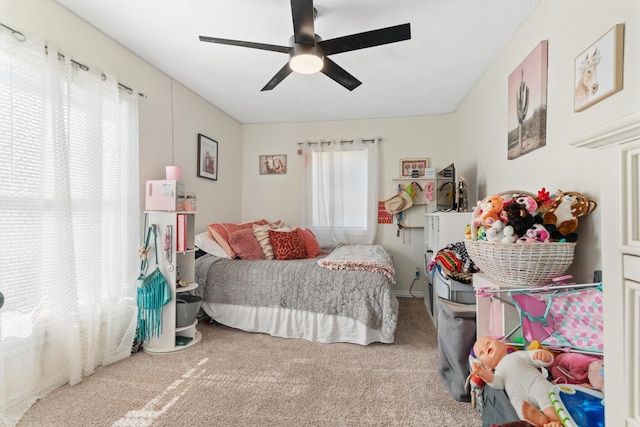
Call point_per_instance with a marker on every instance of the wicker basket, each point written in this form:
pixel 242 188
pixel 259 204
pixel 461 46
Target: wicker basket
pixel 529 264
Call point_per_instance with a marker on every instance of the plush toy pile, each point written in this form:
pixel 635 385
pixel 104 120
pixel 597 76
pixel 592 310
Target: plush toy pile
pixel 523 218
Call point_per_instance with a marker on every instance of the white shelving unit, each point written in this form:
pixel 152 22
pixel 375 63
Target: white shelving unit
pixel 175 265
pixel 441 229
pixel 618 145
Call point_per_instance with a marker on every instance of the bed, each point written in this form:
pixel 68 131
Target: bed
pixel 343 296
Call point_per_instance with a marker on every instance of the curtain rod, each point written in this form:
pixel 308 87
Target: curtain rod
pixel 342 141
pixel 21 37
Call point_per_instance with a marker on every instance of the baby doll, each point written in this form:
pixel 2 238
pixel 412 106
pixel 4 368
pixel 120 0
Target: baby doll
pixel 517 373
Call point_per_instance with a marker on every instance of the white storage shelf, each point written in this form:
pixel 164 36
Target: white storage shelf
pixel 441 229
pixel 174 265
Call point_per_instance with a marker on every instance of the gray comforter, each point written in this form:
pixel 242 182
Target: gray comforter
pixel 365 296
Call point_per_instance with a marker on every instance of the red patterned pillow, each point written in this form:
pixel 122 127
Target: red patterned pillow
pixel 245 245
pixel 287 244
pixel 311 245
pixel 220 233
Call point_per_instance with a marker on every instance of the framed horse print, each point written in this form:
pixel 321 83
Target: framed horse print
pixel 273 164
pixel 598 69
pixel 207 158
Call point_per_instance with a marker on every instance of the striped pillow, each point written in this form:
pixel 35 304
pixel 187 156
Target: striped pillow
pixel 262 236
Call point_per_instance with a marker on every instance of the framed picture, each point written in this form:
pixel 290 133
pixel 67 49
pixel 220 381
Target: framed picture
pixel 413 168
pixel 207 157
pixel 273 164
pixel 598 69
pixel 527 104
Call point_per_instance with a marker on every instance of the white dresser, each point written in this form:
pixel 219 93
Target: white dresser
pixel 441 229
pixel 619 141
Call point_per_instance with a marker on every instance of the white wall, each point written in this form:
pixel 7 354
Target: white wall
pixel 164 140
pixel 280 197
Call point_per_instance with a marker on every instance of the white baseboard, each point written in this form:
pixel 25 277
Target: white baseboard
pixel 407 294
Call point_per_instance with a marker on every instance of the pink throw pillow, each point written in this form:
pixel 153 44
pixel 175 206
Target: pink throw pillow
pixel 311 245
pixel 245 245
pixel 287 245
pixel 220 233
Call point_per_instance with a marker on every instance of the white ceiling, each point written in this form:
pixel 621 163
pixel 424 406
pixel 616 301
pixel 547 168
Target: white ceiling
pixel 452 43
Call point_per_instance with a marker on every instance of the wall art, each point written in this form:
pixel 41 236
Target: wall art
pixel 598 69
pixel 527 107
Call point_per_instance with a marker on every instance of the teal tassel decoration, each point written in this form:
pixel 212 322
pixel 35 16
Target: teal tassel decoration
pixel 153 293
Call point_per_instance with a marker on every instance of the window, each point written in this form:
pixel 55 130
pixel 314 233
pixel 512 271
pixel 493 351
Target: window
pixel 341 191
pixel 70 222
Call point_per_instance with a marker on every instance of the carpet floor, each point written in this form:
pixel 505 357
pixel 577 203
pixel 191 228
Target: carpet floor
pixel 235 378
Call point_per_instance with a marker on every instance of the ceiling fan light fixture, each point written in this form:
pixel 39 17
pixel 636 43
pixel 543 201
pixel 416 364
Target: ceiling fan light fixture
pixel 306 63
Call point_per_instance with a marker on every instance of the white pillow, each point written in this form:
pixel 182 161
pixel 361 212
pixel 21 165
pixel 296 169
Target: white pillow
pixel 210 246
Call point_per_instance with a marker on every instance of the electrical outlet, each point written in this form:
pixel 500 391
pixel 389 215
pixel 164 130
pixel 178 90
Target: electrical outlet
pixel 417 272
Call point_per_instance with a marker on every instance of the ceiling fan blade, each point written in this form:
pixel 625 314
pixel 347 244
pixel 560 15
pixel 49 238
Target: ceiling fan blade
pixel 367 39
pixel 262 46
pixel 280 76
pixel 302 13
pixel 339 75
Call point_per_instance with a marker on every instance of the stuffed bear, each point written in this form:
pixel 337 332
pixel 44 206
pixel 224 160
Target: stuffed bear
pixel 489 210
pixel 518 217
pixel 561 219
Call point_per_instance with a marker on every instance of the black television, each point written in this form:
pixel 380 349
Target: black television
pixel 446 194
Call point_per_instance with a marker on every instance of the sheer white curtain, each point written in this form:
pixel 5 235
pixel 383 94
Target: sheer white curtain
pixel 341 189
pixel 68 222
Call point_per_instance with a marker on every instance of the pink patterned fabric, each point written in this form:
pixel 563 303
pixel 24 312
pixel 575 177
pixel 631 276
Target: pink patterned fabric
pixel 361 257
pixel 287 244
pixel 571 319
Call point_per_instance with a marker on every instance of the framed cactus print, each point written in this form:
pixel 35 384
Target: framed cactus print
pixel 527 107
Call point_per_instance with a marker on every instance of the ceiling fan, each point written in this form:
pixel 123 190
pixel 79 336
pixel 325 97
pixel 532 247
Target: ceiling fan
pixel 309 53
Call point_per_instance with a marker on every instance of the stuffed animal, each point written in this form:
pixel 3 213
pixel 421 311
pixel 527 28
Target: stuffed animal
pixel 467 232
pixel 519 218
pixel 528 202
pixel 539 233
pixel 494 233
pixel 561 219
pixel 508 234
pixel 544 201
pixel 481 233
pixel 490 209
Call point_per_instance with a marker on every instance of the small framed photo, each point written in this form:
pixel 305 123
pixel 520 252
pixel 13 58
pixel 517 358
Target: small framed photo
pixel 207 157
pixel 598 69
pixel 273 164
pixel 413 168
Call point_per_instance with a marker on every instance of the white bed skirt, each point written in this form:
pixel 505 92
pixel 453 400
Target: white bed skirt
pixel 290 323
